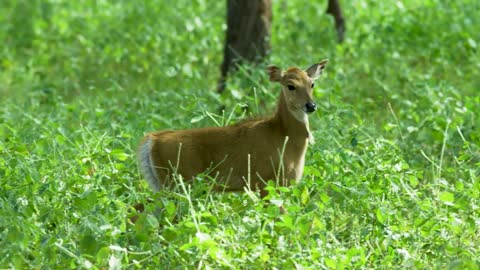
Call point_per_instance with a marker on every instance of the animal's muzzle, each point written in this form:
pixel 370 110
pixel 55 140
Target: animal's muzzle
pixel 310 107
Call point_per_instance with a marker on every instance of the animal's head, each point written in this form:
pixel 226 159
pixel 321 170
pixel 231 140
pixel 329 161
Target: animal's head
pixel 297 87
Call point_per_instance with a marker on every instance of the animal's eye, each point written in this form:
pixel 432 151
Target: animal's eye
pixel 291 87
pixel 313 85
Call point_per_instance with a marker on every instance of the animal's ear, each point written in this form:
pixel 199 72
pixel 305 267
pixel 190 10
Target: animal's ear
pixel 315 70
pixel 275 73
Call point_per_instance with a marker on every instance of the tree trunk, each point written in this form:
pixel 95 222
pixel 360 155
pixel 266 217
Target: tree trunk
pixel 247 36
pixel 335 10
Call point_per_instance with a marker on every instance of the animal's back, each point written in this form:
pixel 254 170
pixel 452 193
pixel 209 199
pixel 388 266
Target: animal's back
pixel 224 151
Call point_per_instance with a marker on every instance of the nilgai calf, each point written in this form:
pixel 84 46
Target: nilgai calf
pixel 243 155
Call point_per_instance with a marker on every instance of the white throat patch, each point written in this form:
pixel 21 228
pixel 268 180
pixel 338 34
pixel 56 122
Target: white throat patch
pixel 300 115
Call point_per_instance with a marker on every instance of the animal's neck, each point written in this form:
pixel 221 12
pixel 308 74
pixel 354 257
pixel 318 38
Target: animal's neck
pixel 295 126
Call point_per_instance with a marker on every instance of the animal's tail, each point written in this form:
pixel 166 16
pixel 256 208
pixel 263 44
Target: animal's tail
pixel 147 166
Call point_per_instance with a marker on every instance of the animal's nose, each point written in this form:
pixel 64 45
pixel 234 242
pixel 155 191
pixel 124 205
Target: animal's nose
pixel 310 107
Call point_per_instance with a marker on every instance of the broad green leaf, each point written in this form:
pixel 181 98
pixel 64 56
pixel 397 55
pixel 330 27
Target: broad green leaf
pixel 381 216
pixel 305 196
pixel 119 154
pixel 447 197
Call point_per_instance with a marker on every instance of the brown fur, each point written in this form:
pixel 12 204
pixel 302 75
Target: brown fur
pixel 226 152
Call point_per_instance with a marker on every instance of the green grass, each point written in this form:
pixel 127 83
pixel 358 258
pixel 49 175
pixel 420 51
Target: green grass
pixel 391 183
